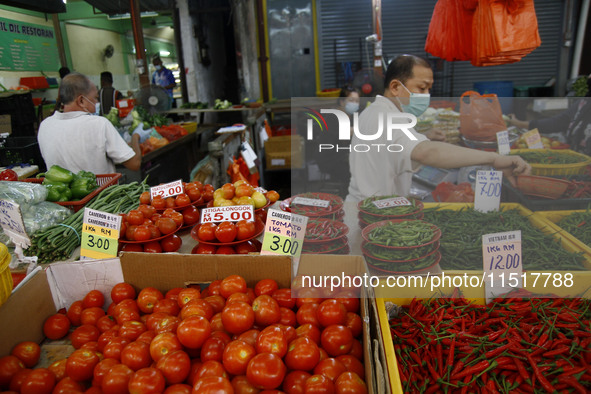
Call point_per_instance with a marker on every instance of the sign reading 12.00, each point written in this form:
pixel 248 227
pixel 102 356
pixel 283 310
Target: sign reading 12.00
pixel 167 190
pixel 100 234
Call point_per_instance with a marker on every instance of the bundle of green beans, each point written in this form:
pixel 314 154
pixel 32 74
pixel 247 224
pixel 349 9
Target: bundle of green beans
pixel 383 253
pixel 461 240
pixel 368 205
pixel 577 224
pixel 409 266
pixel 57 243
pixel 402 234
pixel 535 156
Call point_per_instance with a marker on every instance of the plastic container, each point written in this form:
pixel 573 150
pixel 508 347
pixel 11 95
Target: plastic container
pixel 558 169
pixel 542 186
pixel 103 181
pixel 331 92
pixel 503 90
pixel 34 82
pixel 5 275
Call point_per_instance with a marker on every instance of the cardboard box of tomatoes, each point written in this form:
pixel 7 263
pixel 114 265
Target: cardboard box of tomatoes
pixel 60 284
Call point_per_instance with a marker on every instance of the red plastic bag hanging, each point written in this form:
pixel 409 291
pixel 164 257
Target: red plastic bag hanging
pixel 481 116
pixel 450 30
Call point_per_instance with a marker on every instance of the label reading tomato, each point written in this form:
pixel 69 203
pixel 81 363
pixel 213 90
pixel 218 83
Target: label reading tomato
pixel 100 234
pixel 284 234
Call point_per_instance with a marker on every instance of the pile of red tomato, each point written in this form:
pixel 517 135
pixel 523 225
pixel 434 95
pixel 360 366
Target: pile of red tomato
pixel 153 232
pixel 226 338
pixel 194 193
pixel 225 237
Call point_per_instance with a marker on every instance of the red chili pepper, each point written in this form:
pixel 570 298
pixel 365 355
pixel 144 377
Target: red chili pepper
pixel 521 369
pixel 539 375
pixel 572 382
pixel 477 368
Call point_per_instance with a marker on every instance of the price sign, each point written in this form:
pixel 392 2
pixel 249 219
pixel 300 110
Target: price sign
pixel 313 202
pixel 392 202
pixel 503 142
pixel 167 190
pixel 533 139
pixel 11 221
pixel 284 233
pixel 100 234
pixel 488 191
pixel 231 213
pixel 502 263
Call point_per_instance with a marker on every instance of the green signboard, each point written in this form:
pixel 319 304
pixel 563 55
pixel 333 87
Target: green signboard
pixel 27 47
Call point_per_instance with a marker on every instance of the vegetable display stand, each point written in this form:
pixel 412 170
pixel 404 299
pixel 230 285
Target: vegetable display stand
pixel 103 181
pixel 512 194
pixel 543 247
pixel 573 225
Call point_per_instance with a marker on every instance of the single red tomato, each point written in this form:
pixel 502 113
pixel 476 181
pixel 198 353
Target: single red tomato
pixel 135 217
pixel 117 379
pixel 178 218
pixel 190 216
pixel 266 310
pixel 170 202
pixel 350 383
pixel 38 381
pixel 357 350
pixel 198 307
pixel 114 347
pixel 58 368
pixel 172 243
pixel 164 343
pixel 166 225
pixel 175 366
pixel 224 249
pixel 179 388
pixel 336 340
pixel 193 331
pixel 132 247
pixel 211 368
pixel 182 200
pixel 136 355
pixel 101 369
pixel 81 363
pixel 125 304
pixel 244 230
pixel 237 317
pixel 206 232
pixel 236 356
pixel 266 371
pixel 352 364
pixel 106 337
pixel 145 198
pixel 349 298
pixel 272 340
pixel 158 202
pixel 307 314
pixel 249 336
pixel 146 336
pixel 212 349
pixel 193 193
pixel 92 345
pixel 331 312
pixel 288 317
pixel 310 331
pixel 84 333
pixel 28 352
pixel 232 284
pixel 187 294
pixel 318 384
pixel 226 232
pixel 266 287
pixel 167 306
pixel 238 297
pixel 241 385
pixel 283 298
pixel 302 354
pixel 74 312
pixel 147 298
pixel 173 293
pixel 214 287
pixel 216 301
pixel 212 385
pixel 105 323
pixel 132 329
pixel 204 249
pixel 246 247
pixel 272 196
pixel 147 381
pixel 94 298
pixel 142 233
pixel 91 315
pixel 152 247
pixel 295 381
pixel 126 314
pixel 56 326
pixel 355 324
pixel 330 367
pixel 9 366
pixel 147 210
pixel 67 385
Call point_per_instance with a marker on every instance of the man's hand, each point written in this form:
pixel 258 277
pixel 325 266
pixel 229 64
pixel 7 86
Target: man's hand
pixel 143 134
pixel 511 166
pixel 435 135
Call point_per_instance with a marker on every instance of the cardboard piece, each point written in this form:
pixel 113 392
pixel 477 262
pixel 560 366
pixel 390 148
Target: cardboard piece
pixel 285 152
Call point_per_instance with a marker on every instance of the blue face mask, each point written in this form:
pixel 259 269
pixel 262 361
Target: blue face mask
pixel 97 107
pixel 417 102
pixel 351 107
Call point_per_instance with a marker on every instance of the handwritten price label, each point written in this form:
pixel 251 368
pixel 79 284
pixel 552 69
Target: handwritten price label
pixel 533 139
pixel 284 234
pixel 488 191
pixel 503 142
pixel 167 190
pixel 231 213
pixel 11 221
pixel 392 202
pixel 502 263
pixel 313 202
pixel 100 234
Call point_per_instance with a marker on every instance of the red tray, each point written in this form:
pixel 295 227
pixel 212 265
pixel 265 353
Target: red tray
pixel 103 181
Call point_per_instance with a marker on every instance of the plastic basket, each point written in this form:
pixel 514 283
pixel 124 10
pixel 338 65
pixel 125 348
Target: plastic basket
pixel 103 181
pixel 5 275
pixel 558 169
pixel 334 92
pixel 541 186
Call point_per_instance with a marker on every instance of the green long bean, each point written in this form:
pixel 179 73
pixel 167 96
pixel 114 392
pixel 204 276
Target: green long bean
pixel 578 224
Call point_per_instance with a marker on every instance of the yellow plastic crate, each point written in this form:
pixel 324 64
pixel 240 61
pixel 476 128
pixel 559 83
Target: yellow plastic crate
pixel 191 127
pixel 581 282
pixel 5 275
pixel 567 241
pixel 556 216
pixel 558 169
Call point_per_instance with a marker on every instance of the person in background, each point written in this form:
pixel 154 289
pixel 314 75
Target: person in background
pixel 108 95
pixel 163 76
pixel 77 140
pixel 382 172
pixel 574 122
pixel 58 102
pixel 63 72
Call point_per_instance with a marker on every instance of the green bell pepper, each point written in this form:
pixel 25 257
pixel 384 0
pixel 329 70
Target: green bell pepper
pixel 57 191
pixel 81 187
pixel 58 174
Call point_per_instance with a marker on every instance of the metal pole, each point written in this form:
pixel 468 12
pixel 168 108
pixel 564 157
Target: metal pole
pixel 59 39
pixel 138 38
pixel 579 38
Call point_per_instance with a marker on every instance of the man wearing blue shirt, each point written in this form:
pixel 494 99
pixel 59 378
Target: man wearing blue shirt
pixel 163 76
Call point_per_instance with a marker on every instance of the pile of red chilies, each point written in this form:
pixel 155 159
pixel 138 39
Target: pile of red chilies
pixel 517 345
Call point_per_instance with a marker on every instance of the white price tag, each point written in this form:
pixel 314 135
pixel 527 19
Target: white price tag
pixel 488 191
pixel 502 263
pixel 313 202
pixel 11 221
pixel 168 189
pixel 391 202
pixel 100 234
pixel 231 213
pixel 503 142
pixel 284 234
pixel 533 139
